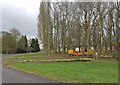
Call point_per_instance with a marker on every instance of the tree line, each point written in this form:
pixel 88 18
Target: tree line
pixel 66 25
pixel 14 42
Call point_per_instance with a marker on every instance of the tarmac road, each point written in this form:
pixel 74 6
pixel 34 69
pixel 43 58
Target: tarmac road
pixel 14 76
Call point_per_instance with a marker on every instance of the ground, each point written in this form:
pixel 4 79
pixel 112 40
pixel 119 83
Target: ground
pixel 97 71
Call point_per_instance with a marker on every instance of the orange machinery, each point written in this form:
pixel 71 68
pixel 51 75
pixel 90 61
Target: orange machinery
pixel 81 52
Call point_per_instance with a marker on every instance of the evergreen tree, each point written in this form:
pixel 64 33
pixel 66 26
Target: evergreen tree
pixel 26 42
pixel 35 45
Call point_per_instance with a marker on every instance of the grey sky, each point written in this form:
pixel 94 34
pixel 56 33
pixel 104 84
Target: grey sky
pixel 21 14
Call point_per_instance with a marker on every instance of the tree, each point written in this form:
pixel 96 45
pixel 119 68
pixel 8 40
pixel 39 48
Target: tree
pixel 13 43
pixel 15 32
pixel 26 42
pixel 29 49
pixel 16 35
pixel 8 43
pixel 35 45
pixel 117 35
pixel 22 44
pixel 67 25
pixel 37 48
pixel 43 31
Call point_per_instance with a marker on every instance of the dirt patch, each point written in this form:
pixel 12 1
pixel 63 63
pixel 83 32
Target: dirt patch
pixel 107 58
pixel 66 56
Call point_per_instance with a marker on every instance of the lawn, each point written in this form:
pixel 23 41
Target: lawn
pixel 25 56
pixel 102 71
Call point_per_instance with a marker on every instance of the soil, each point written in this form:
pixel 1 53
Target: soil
pixel 66 56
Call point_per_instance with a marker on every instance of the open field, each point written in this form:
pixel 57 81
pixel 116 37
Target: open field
pixel 98 71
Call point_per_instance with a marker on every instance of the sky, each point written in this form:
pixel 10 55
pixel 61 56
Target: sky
pixel 20 14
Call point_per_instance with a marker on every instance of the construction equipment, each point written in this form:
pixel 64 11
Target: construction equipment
pixel 81 52
pixel 71 52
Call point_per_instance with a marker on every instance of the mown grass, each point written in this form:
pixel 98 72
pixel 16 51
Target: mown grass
pixel 36 58
pixel 30 55
pixel 74 72
pixel 98 71
pixel 25 56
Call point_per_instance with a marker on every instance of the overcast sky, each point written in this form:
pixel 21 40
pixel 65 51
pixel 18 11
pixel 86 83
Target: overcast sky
pixel 21 14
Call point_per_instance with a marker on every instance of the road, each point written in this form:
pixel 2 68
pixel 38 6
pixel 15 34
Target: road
pixel 14 76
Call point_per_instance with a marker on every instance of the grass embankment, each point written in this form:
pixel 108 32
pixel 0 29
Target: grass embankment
pixel 102 71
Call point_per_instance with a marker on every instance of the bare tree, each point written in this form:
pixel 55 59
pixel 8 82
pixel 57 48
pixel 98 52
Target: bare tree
pixel 66 25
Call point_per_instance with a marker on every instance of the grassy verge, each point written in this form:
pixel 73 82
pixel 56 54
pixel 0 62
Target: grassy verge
pixel 74 72
pixel 100 71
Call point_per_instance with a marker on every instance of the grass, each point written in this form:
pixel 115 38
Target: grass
pixel 30 56
pixel 74 72
pixel 36 58
pixel 99 71
pixel 26 56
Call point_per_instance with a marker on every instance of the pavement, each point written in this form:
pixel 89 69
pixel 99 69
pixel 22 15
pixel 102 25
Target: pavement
pixel 14 76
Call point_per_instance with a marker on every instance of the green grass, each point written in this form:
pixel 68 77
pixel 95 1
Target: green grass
pixel 100 71
pixel 74 72
pixel 30 55
pixel 25 56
